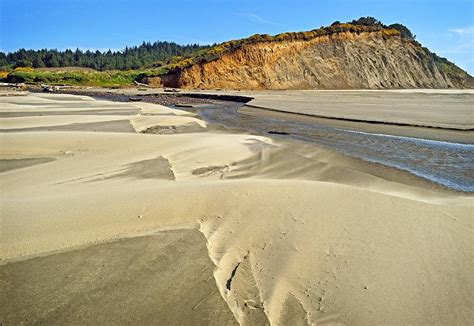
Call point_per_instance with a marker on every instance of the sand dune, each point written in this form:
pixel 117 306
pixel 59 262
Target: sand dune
pixel 298 235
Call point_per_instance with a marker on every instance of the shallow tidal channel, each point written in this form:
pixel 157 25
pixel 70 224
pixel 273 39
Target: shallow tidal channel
pixel 445 163
pixel 448 164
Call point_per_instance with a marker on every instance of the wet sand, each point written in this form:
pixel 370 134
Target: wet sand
pixel 165 279
pixel 436 109
pixel 288 233
pixel 440 134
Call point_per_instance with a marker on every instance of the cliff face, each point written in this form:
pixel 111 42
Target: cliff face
pixel 372 60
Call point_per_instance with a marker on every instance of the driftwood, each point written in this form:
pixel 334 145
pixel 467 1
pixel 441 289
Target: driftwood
pixel 21 86
pixel 53 88
pixel 140 84
pixel 171 90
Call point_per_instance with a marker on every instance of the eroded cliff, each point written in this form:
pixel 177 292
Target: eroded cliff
pixel 346 60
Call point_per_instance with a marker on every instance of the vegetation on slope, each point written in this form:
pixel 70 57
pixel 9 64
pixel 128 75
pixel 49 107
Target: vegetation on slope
pixel 452 71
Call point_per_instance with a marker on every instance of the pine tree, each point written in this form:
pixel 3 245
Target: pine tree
pixel 143 56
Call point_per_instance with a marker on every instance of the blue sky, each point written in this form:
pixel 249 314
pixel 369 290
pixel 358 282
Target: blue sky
pixel 446 27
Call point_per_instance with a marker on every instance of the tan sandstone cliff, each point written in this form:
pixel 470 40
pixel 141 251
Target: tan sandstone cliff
pixel 346 60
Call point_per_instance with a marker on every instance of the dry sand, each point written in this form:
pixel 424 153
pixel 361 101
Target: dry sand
pixel 100 227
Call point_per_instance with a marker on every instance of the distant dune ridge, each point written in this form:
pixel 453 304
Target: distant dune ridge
pixel 342 56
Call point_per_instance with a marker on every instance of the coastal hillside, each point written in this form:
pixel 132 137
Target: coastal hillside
pixel 363 54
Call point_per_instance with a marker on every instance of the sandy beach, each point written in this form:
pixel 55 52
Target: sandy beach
pixel 438 114
pixel 449 109
pixel 105 220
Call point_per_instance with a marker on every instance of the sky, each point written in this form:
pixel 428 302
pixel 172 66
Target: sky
pixel 445 27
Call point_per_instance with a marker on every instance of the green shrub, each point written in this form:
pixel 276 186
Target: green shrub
pixel 96 78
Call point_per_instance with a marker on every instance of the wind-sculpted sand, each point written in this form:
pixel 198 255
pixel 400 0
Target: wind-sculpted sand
pixel 123 226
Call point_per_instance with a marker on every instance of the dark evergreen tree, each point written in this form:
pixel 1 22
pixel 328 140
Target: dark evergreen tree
pixel 3 59
pixel 38 62
pixel 143 56
pixel 367 21
pixel 404 31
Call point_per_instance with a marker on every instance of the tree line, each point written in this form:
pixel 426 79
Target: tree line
pixel 146 55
